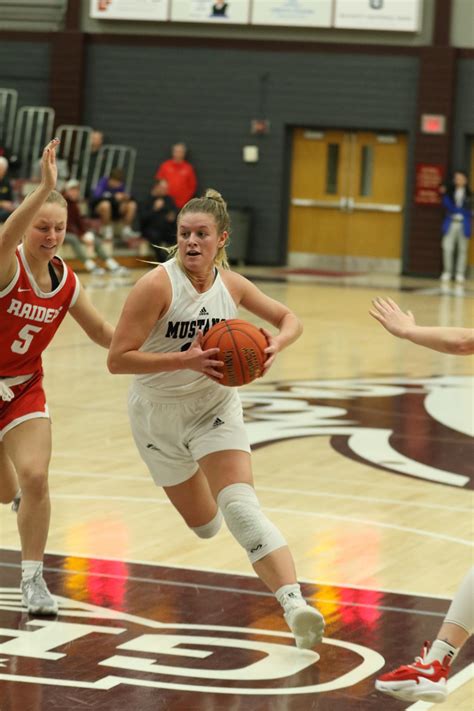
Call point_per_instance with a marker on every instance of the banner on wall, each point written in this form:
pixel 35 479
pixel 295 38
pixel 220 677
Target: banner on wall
pixel 129 9
pixel 303 13
pixel 214 11
pixel 394 15
pixel 429 177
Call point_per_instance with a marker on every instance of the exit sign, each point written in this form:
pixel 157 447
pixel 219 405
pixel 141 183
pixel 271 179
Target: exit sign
pixel 433 123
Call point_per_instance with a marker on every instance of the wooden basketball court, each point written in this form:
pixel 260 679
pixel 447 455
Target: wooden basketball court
pixel 362 456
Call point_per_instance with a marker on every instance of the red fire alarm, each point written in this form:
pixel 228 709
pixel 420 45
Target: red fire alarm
pixel 433 123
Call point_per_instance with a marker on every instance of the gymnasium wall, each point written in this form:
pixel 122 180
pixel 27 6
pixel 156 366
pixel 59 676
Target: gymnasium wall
pixel 26 68
pixel 464 113
pixel 207 97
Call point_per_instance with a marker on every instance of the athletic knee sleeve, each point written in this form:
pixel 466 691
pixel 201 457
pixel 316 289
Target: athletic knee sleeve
pixel 209 529
pixel 247 523
pixel 461 610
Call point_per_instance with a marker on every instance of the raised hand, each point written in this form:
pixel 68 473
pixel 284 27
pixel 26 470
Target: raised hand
pixel 203 361
pixel 49 168
pixel 390 315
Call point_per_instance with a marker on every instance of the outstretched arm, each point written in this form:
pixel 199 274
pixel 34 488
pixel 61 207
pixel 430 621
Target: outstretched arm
pixel 445 339
pixel 91 321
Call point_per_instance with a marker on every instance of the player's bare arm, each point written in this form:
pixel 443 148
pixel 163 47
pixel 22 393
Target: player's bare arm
pixel 445 339
pixel 15 226
pixel 91 321
pixel 146 304
pixel 277 314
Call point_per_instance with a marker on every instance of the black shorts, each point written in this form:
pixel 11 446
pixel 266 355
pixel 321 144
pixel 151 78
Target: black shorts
pixel 113 202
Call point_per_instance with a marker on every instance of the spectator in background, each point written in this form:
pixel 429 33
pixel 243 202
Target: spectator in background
pixel 97 141
pixel 111 203
pixel 13 160
pixel 6 193
pixel 179 173
pixel 79 236
pixel 158 220
pixel 456 226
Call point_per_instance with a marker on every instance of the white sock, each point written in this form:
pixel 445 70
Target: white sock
pixel 111 263
pixel 30 567
pixel 439 650
pixel 290 596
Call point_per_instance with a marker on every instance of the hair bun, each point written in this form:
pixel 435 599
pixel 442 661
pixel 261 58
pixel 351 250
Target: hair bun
pixel 212 194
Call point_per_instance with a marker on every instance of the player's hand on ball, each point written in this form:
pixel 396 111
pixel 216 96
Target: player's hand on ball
pixel 205 362
pixel 271 350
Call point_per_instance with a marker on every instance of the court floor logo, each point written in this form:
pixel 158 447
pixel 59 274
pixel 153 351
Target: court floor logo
pixel 418 427
pixel 121 640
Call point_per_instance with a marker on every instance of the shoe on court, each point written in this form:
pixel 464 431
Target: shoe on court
pixel 460 279
pixel 306 623
pixel 445 277
pixel 418 681
pixel 36 596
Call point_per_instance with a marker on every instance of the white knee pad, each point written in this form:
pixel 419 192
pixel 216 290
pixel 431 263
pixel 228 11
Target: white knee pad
pixel 247 523
pixel 208 530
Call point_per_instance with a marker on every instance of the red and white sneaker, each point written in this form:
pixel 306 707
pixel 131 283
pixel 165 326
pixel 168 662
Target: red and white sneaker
pixel 418 681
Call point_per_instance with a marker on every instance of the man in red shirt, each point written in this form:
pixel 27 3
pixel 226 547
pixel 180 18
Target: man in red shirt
pixel 179 173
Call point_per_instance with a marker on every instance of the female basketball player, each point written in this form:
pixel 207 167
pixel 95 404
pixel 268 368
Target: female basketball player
pixel 37 289
pixel 425 679
pixel 188 429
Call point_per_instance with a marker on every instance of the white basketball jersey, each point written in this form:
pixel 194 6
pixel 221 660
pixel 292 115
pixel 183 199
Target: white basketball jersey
pixel 177 329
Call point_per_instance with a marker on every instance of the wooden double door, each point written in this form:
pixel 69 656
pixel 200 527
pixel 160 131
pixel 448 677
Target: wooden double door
pixel 347 194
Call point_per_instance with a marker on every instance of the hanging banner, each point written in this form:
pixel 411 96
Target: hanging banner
pixel 301 13
pixel 394 15
pixel 151 10
pixel 234 12
pixel 429 177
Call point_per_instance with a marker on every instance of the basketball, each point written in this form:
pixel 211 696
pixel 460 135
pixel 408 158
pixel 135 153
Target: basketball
pixel 241 347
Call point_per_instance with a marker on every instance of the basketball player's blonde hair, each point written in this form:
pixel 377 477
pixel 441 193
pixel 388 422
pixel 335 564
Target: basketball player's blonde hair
pixel 54 197
pixel 211 203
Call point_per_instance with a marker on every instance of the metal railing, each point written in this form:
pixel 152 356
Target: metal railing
pixel 75 149
pixel 8 104
pixel 33 130
pixel 111 156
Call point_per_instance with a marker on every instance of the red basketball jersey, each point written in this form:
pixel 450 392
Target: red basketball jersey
pixel 30 317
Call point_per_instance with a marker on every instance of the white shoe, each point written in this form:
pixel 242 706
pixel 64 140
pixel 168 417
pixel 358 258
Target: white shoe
pixel 97 271
pixel 307 625
pixel 36 596
pixel 128 233
pixel 460 279
pixel 445 277
pixel 119 271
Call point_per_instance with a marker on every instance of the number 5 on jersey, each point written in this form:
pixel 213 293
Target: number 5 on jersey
pixel 26 335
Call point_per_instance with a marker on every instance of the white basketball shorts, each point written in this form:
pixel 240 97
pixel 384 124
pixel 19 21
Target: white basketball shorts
pixel 172 436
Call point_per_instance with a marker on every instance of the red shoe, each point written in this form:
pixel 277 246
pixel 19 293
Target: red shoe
pixel 418 681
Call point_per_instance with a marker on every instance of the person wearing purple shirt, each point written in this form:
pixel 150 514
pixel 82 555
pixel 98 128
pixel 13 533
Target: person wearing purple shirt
pixel 111 203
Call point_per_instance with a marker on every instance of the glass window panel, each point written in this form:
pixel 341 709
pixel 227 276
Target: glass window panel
pixel 332 168
pixel 366 170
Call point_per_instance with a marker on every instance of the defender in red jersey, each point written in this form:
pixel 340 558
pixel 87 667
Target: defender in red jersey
pixel 37 290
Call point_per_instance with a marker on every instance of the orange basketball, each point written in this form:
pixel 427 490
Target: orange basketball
pixel 241 347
